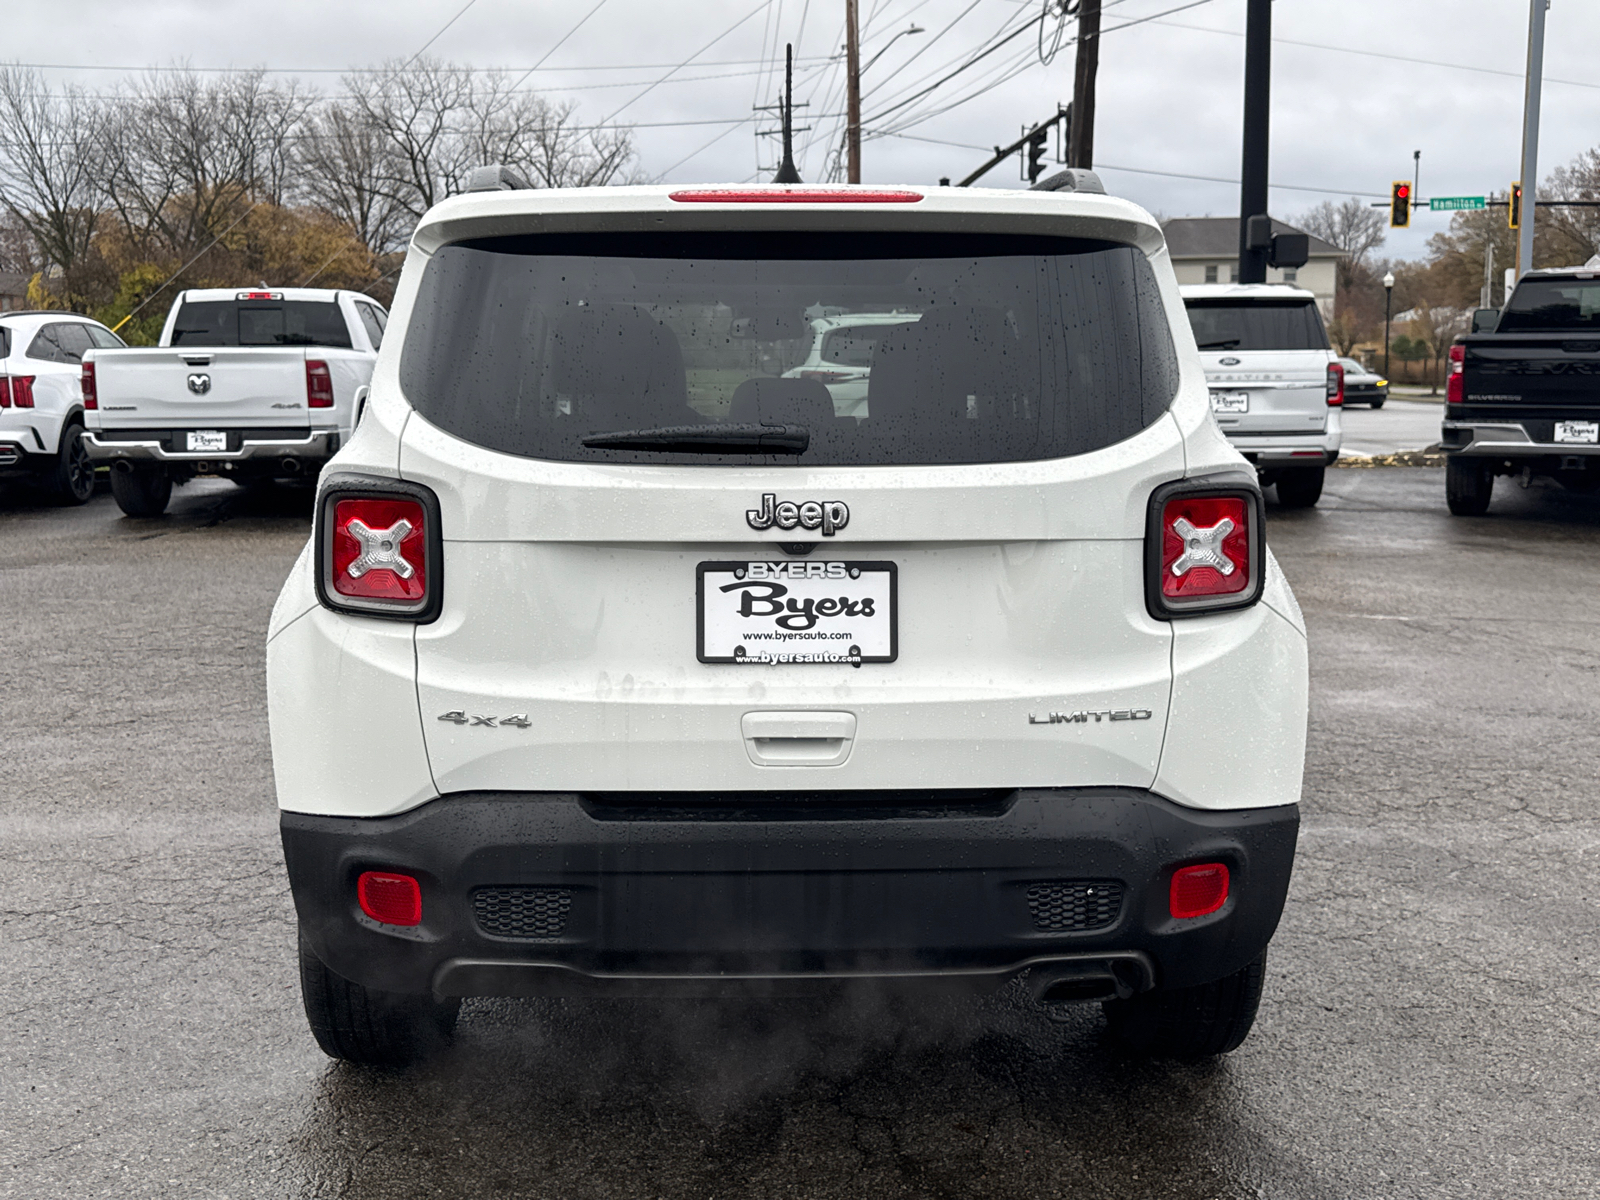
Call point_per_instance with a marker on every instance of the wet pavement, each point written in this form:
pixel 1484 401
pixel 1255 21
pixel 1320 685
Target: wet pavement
pixel 1430 1028
pixel 1398 425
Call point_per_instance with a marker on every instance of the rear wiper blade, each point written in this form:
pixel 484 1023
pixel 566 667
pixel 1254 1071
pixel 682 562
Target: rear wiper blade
pixel 1224 344
pixel 707 439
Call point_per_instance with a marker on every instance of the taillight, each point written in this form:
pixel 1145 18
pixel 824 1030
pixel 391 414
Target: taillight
pixel 795 195
pixel 319 384
pixel 1455 385
pixel 1198 891
pixel 379 551
pixel 1335 385
pixel 5 391
pixel 22 390
pixel 90 400
pixel 390 897
pixel 1204 549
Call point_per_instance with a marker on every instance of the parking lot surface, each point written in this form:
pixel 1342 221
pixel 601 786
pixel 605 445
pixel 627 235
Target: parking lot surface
pixel 1398 425
pixel 1430 1027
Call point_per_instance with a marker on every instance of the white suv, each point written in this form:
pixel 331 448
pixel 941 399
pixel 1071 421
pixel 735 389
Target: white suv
pixel 585 687
pixel 41 400
pixel 1277 388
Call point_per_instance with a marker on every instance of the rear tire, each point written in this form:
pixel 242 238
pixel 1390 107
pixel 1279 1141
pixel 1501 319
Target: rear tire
pixel 1468 485
pixel 1190 1023
pixel 367 1027
pixel 71 479
pixel 1300 487
pixel 141 492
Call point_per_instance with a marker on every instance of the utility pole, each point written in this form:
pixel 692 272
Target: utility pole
pixel 1080 149
pixel 852 66
pixel 1257 106
pixel 787 173
pixel 1530 134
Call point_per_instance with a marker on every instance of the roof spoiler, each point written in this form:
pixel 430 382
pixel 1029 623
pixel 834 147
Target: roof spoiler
pixel 1073 179
pixel 497 177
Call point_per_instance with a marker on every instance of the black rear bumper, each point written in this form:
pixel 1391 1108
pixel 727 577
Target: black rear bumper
pixel 560 894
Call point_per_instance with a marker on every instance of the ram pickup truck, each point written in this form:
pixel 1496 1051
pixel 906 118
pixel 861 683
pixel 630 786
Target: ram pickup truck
pixel 1524 400
pixel 243 385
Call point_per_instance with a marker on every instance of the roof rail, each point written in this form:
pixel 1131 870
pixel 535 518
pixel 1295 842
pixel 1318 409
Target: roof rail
pixel 1073 179
pixel 497 177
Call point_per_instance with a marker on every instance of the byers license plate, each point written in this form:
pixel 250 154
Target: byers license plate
pixel 1578 431
pixel 797 611
pixel 1230 402
pixel 206 439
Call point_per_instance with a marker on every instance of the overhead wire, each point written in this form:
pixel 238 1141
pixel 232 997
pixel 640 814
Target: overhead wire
pixel 762 7
pixel 440 34
pixel 558 45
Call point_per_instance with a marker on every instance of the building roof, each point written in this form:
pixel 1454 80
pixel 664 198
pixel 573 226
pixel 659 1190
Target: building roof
pixel 1218 237
pixel 13 283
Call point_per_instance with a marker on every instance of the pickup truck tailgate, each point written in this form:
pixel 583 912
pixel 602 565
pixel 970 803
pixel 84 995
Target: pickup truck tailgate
pixel 221 388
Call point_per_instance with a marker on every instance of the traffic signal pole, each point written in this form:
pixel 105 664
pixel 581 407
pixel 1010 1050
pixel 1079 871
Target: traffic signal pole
pixel 1530 134
pixel 1257 103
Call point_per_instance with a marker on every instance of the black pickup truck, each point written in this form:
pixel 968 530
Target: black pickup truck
pixel 1524 400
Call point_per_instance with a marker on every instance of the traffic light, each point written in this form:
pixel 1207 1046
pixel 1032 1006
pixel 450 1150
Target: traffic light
pixel 1036 141
pixel 1514 209
pixel 1400 204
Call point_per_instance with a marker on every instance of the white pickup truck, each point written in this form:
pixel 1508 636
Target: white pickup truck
pixel 243 385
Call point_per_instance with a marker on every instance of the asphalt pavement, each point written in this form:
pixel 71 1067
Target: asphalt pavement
pixel 1430 1026
pixel 1398 425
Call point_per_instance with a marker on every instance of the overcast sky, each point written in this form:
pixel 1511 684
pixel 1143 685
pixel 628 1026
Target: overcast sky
pixel 1346 114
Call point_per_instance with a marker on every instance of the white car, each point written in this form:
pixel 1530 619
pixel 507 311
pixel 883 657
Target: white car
pixel 841 356
pixel 583 688
pixel 41 400
pixel 243 385
pixel 1276 386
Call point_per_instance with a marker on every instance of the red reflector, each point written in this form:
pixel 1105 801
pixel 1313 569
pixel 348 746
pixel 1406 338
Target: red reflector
pixel 392 899
pixel 1198 890
pixel 379 550
pixel 90 400
pixel 319 384
pixel 1205 546
pixel 795 196
pixel 22 390
pixel 1455 385
pixel 5 391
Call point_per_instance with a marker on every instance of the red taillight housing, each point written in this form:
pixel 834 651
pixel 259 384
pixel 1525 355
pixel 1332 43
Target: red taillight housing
pixel 5 391
pixel 22 390
pixel 319 384
pixel 1198 891
pixel 90 399
pixel 796 195
pixel 1204 549
pixel 379 551
pixel 1454 384
pixel 1335 385
pixel 390 897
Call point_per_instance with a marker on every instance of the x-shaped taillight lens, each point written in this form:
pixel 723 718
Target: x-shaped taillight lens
pixel 1205 549
pixel 378 554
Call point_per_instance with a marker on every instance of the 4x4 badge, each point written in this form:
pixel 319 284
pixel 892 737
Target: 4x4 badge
pixel 458 716
pixel 826 515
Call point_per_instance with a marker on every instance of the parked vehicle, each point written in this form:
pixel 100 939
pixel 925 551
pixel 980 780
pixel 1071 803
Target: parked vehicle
pixel 584 688
pixel 244 385
pixel 1276 386
pixel 41 403
pixel 841 356
pixel 1363 386
pixel 1524 400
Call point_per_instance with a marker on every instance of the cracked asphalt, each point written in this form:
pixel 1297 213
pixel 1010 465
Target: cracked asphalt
pixel 1431 1026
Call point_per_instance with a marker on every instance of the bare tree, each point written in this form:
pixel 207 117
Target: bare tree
pixel 345 170
pixel 1352 225
pixel 1574 232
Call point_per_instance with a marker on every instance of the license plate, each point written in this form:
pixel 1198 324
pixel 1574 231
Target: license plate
pixel 1230 402
pixel 797 612
pixel 206 439
pixel 1578 431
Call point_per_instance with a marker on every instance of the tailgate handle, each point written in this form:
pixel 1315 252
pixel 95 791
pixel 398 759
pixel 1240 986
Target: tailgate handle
pixel 798 739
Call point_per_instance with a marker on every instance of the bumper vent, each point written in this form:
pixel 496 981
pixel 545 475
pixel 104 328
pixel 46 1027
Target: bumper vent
pixel 522 912
pixel 1075 905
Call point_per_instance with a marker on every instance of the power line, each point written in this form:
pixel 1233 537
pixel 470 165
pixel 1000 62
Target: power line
pixel 558 45
pixel 379 70
pixel 762 7
pixel 440 34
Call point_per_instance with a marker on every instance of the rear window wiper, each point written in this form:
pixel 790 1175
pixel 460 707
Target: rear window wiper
pixel 707 439
pixel 1224 344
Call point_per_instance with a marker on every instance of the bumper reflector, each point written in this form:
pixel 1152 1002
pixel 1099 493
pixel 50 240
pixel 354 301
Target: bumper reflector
pixel 390 898
pixel 1198 890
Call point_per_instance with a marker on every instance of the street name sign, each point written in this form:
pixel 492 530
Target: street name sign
pixel 1454 203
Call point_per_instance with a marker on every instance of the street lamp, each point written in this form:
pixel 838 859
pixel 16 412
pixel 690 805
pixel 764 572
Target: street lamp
pixel 914 29
pixel 1388 299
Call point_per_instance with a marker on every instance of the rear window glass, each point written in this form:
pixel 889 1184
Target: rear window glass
pixel 1257 325
pixel 260 323
pixel 1552 304
pixel 1002 349
pixel 852 345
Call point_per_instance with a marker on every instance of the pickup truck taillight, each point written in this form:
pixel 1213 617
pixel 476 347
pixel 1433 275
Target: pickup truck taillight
pixel 1204 548
pixel 18 390
pixel 379 550
pixel 90 400
pixel 5 391
pixel 1454 390
pixel 1335 385
pixel 319 384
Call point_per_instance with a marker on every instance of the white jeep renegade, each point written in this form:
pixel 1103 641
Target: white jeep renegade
pixel 620 664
